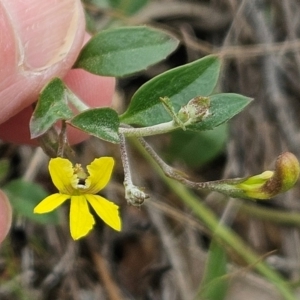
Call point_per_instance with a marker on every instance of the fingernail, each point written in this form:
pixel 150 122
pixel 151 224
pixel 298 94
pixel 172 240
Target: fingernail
pixel 45 30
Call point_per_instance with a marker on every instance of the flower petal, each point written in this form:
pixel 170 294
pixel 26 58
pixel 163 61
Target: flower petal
pixel 63 177
pixel 50 203
pixel 99 174
pixel 81 220
pixel 106 210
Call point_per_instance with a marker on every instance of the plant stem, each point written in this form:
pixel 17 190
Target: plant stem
pixel 147 131
pixel 170 171
pixel 125 161
pixel 225 234
pixel 77 102
pixel 127 130
pixel 133 194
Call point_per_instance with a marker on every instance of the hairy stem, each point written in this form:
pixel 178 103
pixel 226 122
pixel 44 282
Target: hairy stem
pixel 225 234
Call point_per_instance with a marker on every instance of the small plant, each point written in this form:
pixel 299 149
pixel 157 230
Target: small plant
pixel 180 99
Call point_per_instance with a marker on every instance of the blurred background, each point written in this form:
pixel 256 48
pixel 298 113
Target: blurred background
pixel 164 248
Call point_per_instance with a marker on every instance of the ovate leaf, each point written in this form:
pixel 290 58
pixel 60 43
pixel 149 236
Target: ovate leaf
pixel 51 107
pixel 100 122
pixel 222 108
pixel 180 85
pixel 124 51
pixel 24 196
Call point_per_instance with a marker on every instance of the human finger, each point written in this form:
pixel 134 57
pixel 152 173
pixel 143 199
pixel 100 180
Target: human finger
pixel 42 40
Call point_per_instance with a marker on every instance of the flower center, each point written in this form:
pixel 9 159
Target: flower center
pixel 80 173
pixel 81 176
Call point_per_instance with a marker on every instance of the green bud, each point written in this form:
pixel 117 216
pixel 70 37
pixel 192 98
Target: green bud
pixel 135 195
pixel 285 176
pixel 194 111
pixel 265 185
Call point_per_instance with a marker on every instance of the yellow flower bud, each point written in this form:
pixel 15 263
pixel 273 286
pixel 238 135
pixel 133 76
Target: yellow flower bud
pixel 269 184
pixel 265 185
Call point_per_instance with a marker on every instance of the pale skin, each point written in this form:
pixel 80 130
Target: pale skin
pixel 38 41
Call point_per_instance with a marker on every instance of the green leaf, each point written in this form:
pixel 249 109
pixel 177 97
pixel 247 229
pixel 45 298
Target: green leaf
pixel 51 107
pixel 215 282
pixel 24 196
pixel 197 148
pixel 128 7
pixel 180 85
pixel 124 51
pixel 100 122
pixel 222 108
pixel 4 168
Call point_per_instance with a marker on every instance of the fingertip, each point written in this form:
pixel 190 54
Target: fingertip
pixel 5 216
pixel 41 42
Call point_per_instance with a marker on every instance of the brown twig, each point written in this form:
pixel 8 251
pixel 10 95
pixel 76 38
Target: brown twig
pixel 104 273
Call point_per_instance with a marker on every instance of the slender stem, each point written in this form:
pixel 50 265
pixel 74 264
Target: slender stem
pixel 77 102
pixel 129 131
pixel 133 194
pixel 63 140
pixel 170 171
pixel 125 161
pixel 225 234
pixel 148 131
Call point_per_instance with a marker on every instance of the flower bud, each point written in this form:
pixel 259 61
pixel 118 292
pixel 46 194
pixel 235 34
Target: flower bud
pixel 194 111
pixel 285 175
pixel 265 185
pixel 135 195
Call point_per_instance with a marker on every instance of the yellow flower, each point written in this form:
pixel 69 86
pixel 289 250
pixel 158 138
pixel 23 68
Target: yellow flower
pixel 73 184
